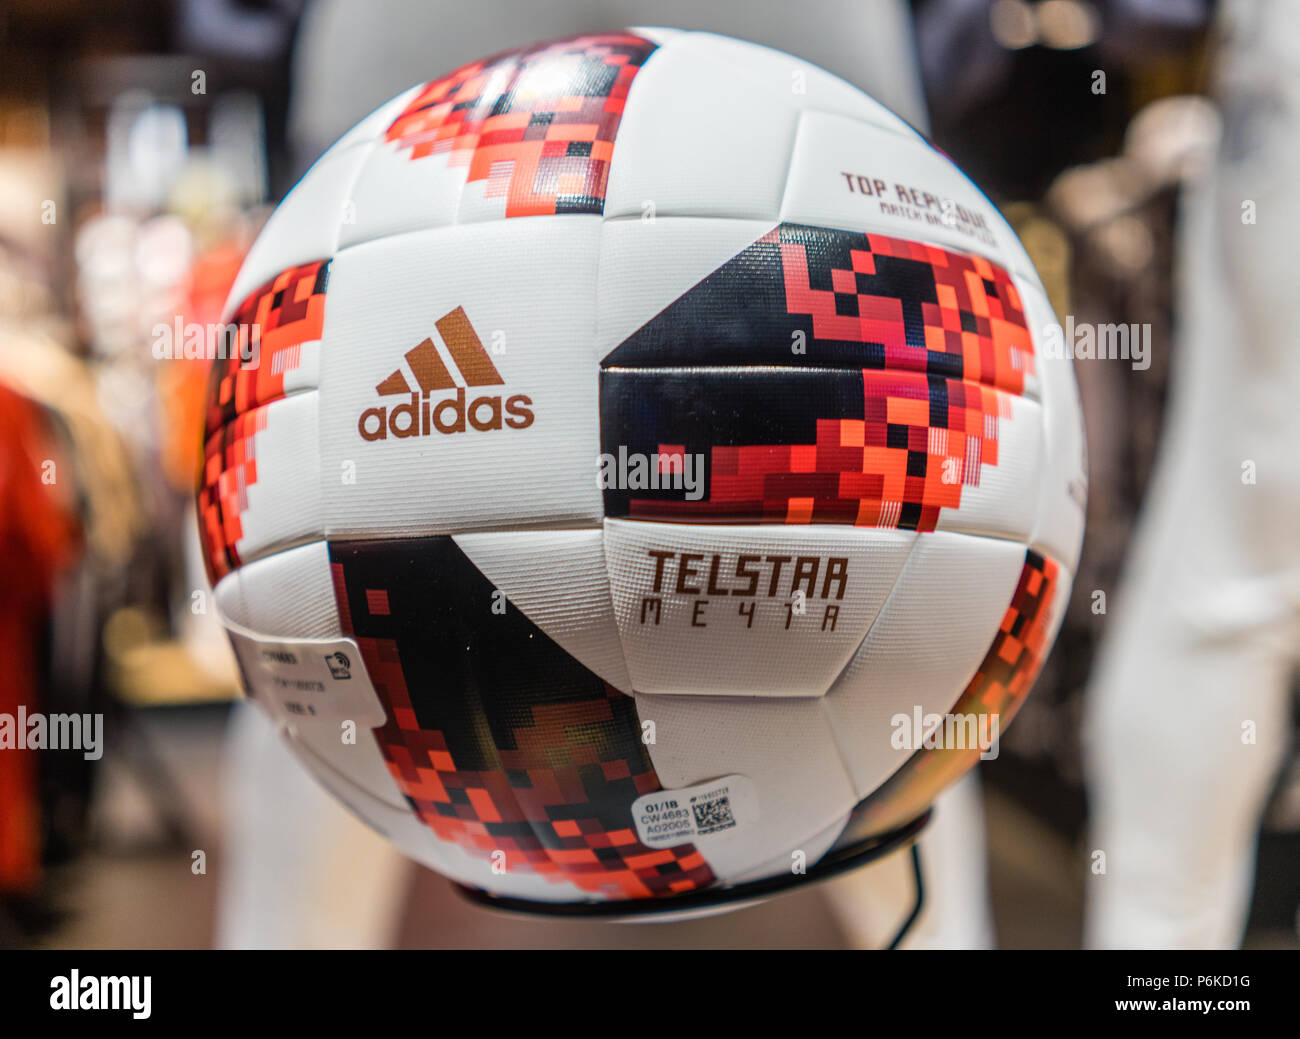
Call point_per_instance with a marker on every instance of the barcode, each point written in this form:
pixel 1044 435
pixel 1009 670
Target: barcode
pixel 713 815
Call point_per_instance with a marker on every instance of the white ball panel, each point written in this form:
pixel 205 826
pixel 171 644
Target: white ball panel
pixel 710 124
pixel 707 131
pixel 813 846
pixel 284 502
pixel 286 595
pixel 290 595
pixel 998 506
pixel 558 579
pixel 229 596
pixel 1063 491
pixel 395 194
pixel 924 647
pixel 817 192
pixel 717 648
pixel 526 284
pixel 305 375
pixel 784 746
pixel 646 265
pixel 362 762
pixel 305 226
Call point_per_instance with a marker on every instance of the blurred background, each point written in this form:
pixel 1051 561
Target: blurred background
pixel 142 144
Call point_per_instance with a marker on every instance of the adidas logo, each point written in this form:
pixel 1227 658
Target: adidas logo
pixel 419 415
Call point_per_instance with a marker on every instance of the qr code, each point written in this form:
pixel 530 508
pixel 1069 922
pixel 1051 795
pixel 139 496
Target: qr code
pixel 714 815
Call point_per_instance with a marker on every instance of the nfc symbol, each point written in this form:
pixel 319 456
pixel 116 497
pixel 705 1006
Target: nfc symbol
pixel 339 665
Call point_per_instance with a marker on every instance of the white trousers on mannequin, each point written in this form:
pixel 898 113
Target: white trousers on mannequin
pixel 1188 710
pixel 298 870
pixel 872 902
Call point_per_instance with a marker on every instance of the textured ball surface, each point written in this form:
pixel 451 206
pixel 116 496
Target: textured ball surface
pixel 642 425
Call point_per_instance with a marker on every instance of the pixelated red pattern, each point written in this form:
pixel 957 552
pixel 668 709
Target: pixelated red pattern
pixel 537 125
pixel 866 472
pixel 995 350
pixel 999 688
pixel 852 474
pixel 554 752
pixel 229 469
pixel 273 323
pixel 276 319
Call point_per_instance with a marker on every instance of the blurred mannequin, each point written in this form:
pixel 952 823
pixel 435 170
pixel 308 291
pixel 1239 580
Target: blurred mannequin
pixel 351 57
pixel 873 902
pixel 1188 707
pixel 299 870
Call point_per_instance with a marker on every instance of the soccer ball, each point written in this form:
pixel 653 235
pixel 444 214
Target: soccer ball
pixel 635 473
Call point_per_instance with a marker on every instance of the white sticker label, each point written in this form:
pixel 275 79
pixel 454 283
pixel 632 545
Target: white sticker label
pixel 304 681
pixel 696 814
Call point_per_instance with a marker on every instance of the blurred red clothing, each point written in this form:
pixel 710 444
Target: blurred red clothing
pixel 38 533
pixel 183 384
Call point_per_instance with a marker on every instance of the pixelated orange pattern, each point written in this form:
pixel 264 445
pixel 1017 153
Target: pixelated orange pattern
pixel 979 319
pixel 270 326
pixel 931 412
pixel 998 688
pixel 537 125
pixel 560 760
